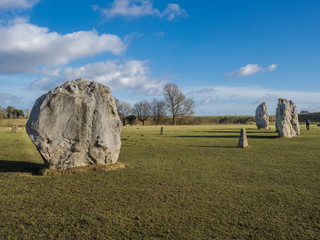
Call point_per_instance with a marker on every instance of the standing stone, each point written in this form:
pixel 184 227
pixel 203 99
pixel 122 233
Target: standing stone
pixel 14 129
pixel 262 116
pixel 161 131
pixel 287 123
pixel 76 124
pixel 243 141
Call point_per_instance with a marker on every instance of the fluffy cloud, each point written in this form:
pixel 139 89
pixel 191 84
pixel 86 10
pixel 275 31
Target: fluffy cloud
pixel 251 69
pixel 129 75
pixel 138 8
pixel 25 47
pixel 172 11
pixel 17 4
pixel 271 67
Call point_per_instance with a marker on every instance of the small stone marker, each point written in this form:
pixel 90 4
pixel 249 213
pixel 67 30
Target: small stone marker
pixel 243 142
pixel 14 129
pixel 161 131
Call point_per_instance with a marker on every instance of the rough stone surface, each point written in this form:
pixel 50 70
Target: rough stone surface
pixel 76 124
pixel 287 123
pixel 262 116
pixel 243 141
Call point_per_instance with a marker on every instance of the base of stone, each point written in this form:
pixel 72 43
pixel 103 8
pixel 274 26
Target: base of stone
pixel 90 168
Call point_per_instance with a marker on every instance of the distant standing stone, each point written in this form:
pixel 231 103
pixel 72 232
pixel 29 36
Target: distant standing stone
pixel 161 131
pixel 287 123
pixel 262 116
pixel 243 141
pixel 14 129
pixel 76 124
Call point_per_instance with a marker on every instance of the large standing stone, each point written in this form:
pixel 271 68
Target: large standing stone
pixel 243 141
pixel 287 123
pixel 76 124
pixel 262 116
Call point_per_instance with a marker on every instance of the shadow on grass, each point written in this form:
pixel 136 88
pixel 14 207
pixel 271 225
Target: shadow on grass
pixel 19 166
pixel 247 130
pixel 227 136
pixel 214 146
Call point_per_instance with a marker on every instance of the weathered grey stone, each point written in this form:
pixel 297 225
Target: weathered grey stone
pixel 262 116
pixel 287 123
pixel 76 124
pixel 243 141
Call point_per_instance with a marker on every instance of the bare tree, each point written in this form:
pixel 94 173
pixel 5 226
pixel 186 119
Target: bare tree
pixel 27 113
pixel 1 114
pixel 131 119
pixel 124 109
pixel 4 113
pixel 157 110
pixel 141 110
pixel 176 102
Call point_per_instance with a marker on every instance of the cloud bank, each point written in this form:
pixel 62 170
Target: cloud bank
pixel 251 69
pixel 25 47
pixel 131 75
pixel 139 8
pixel 225 100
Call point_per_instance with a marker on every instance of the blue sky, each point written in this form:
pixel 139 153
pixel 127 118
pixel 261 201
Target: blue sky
pixel 229 56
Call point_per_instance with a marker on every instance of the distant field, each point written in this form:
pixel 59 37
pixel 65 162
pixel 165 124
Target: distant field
pixel 8 123
pixel 191 183
pixel 193 120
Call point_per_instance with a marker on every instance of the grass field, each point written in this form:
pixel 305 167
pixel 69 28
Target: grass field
pixel 191 183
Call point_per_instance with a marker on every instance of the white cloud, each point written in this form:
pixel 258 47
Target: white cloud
pixel 139 8
pixel 172 11
pixel 25 47
pixel 129 75
pixel 17 4
pixel 271 67
pixel 206 101
pixel 251 69
pixel 129 8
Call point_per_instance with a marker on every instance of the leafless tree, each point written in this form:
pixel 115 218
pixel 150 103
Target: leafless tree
pixel 176 102
pixel 124 109
pixel 157 110
pixel 141 110
pixel 27 113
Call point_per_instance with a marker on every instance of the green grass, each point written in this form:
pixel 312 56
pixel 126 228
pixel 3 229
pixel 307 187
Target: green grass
pixel 190 183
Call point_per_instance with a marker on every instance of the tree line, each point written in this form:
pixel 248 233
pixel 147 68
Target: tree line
pixel 174 104
pixel 12 113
